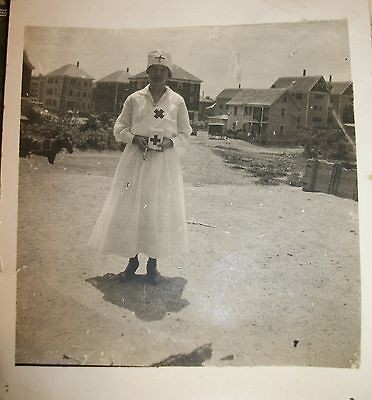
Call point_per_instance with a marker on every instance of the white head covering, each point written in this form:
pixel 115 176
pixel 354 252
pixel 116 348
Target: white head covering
pixel 156 57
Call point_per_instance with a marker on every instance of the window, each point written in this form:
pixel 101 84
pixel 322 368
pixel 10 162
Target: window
pixel 299 96
pixel 257 113
pixel 56 80
pixel 85 83
pixel 70 93
pixel 235 110
pixel 281 129
pixel 285 99
pixel 54 102
pixel 317 119
pixel 49 91
pixel 50 80
pixel 84 94
pixel 283 112
pixel 247 110
pixel 55 91
pixel 265 115
pixel 315 107
pixel 72 81
pixel 78 94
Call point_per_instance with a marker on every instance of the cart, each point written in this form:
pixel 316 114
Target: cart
pixel 216 130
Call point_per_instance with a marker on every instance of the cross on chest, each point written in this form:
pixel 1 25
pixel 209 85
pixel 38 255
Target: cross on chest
pixel 159 114
pixel 155 140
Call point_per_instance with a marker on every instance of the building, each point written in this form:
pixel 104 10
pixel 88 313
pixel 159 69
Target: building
pixel 311 94
pixel 206 107
pixel 222 98
pixel 68 88
pixel 265 116
pixel 26 75
pixel 182 82
pixel 36 88
pixel 111 91
pixel 342 100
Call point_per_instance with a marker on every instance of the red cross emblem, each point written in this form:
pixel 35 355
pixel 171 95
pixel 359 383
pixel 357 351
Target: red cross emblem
pixel 159 114
pixel 155 140
pixel 159 58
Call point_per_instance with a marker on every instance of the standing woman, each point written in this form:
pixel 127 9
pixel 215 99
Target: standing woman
pixel 144 211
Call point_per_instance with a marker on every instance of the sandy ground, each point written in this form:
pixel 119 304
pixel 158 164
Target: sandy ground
pixel 272 277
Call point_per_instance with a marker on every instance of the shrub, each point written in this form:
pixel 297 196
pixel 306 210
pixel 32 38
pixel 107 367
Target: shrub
pixel 327 143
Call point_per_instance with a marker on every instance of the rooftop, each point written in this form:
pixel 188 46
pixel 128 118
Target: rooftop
pixel 339 87
pixel 297 83
pixel 256 96
pixel 116 77
pixel 70 70
pixel 228 93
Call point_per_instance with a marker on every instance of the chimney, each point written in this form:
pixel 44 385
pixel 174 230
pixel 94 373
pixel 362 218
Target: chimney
pixel 77 64
pixel 304 72
pixel 330 78
pixel 127 69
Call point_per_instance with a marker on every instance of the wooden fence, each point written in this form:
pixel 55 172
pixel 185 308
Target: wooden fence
pixel 332 178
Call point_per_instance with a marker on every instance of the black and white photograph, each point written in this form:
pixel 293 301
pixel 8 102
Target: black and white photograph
pixel 188 197
pixel 184 191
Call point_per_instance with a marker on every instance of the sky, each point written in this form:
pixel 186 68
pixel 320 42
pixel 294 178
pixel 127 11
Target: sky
pixel 221 56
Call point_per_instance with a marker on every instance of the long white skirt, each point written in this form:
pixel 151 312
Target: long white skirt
pixel 144 211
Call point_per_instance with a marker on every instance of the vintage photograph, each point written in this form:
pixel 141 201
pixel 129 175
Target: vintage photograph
pixel 188 197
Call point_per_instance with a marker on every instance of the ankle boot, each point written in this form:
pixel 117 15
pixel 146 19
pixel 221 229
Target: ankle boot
pixel 130 269
pixel 153 275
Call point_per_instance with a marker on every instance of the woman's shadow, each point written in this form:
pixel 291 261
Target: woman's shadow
pixel 148 302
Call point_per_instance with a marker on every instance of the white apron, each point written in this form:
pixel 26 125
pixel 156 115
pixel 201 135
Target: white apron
pixel 144 211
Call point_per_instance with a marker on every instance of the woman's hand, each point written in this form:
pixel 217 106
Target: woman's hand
pixel 140 141
pixel 166 144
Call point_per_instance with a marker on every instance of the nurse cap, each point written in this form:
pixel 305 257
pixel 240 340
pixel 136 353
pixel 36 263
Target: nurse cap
pixel 156 57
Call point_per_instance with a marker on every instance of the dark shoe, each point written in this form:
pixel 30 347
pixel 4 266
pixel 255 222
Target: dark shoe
pixel 130 271
pixel 153 275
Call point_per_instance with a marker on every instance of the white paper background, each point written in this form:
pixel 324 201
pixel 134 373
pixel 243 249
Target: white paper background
pixel 182 383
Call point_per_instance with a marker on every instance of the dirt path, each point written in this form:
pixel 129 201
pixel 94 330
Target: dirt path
pixel 272 278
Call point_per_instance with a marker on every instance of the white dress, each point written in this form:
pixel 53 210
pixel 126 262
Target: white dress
pixel 144 211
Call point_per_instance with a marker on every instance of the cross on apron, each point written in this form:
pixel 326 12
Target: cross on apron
pixel 155 140
pixel 159 113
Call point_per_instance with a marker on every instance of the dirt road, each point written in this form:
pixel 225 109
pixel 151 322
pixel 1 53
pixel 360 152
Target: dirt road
pixel 272 277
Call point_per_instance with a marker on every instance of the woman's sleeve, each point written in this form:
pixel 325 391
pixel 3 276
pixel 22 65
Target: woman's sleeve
pixel 123 124
pixel 183 126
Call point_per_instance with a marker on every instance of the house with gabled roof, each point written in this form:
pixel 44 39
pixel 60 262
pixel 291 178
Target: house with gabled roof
pixel 222 98
pixel 312 95
pixel 265 116
pixel 110 92
pixel 182 82
pixel 342 98
pixel 68 88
